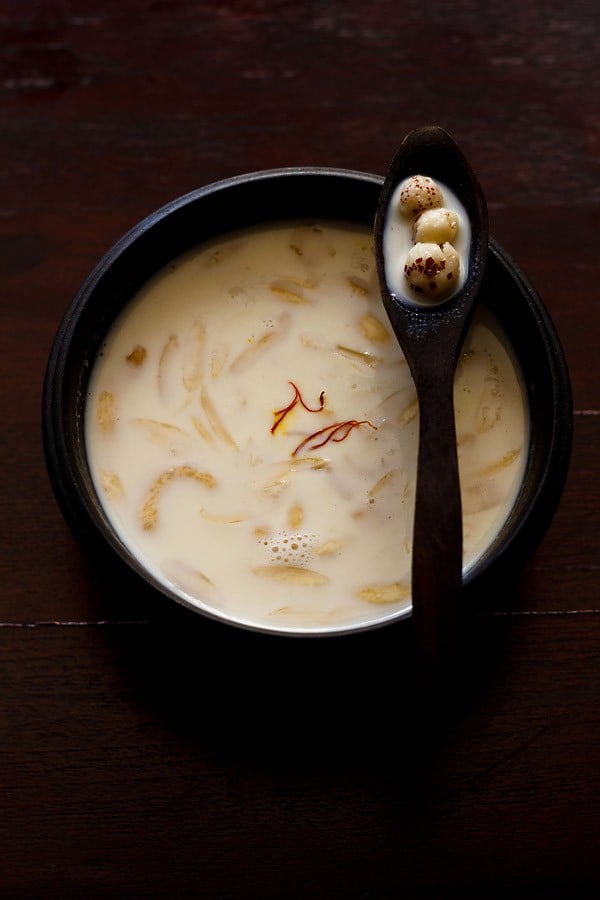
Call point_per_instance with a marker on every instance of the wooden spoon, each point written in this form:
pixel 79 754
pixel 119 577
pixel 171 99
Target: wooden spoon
pixel 431 334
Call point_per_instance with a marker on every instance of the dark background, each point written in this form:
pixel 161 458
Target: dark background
pixel 147 753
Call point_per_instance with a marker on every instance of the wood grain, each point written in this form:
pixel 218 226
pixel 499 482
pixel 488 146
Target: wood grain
pixel 145 753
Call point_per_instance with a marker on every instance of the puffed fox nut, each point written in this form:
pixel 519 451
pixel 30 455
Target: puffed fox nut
pixel 432 270
pixel 436 226
pixel 420 192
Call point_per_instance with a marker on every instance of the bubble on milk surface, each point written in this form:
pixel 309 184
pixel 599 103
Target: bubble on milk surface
pixel 291 547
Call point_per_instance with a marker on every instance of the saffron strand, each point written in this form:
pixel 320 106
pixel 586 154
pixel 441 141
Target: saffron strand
pixel 331 431
pixel 280 414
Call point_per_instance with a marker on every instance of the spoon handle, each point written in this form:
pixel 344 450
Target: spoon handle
pixel 437 535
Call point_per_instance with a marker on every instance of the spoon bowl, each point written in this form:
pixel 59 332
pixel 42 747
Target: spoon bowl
pixel 431 335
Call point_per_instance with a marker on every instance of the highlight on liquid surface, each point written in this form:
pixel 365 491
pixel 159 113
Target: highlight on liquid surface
pixel 252 428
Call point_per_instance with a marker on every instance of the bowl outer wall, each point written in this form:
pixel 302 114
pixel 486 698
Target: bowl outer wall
pixel 262 197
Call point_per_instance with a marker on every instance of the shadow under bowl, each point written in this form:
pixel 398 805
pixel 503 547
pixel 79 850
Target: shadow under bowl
pixel 263 197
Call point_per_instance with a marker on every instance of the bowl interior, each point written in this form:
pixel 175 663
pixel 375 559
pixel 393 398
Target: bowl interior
pixel 266 197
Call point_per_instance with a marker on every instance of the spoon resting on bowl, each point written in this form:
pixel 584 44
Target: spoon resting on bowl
pixel 430 320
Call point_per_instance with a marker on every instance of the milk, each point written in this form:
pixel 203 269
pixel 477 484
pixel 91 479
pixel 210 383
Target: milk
pixel 252 429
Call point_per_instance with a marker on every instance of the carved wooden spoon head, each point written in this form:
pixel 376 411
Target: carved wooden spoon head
pixel 419 319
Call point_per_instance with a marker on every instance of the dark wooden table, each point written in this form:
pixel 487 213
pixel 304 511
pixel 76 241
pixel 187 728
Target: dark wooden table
pixel 147 753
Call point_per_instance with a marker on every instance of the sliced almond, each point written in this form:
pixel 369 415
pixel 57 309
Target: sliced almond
pixel 218 359
pixel 223 518
pixel 330 547
pixel 167 366
pixel 359 285
pixel 384 482
pixel 285 470
pixel 312 617
pixel 190 579
pixel 106 411
pixel 291 575
pixel 202 430
pixel 373 329
pixel 193 361
pixel 258 346
pixel 290 290
pixel 161 432
pixel 295 516
pixel 409 413
pixel 361 356
pixel 215 420
pixel 480 496
pixel 395 592
pixel 499 465
pixel 137 356
pixel 149 511
pixel 112 485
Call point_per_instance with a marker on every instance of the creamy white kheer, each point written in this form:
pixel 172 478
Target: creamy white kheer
pixel 252 431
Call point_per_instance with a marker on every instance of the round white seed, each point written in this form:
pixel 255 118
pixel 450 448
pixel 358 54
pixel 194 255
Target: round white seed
pixel 436 226
pixel 418 193
pixel 431 270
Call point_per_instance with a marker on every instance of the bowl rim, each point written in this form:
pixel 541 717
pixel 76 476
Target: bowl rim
pixel 80 512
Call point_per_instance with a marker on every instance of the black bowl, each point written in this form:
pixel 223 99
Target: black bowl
pixel 262 197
